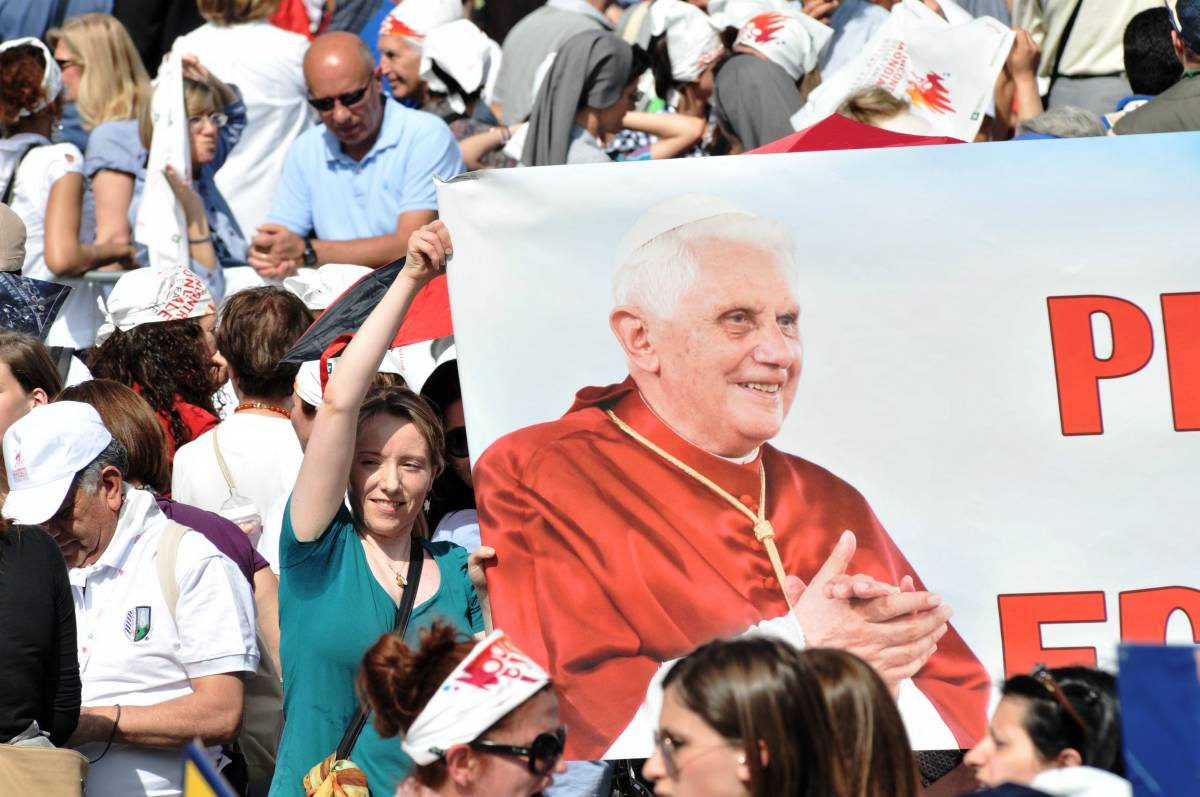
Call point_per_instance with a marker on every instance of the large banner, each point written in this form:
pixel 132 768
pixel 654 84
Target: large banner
pixel 985 360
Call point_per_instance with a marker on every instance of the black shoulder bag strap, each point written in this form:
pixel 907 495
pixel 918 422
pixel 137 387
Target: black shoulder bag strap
pixel 416 559
pixel 12 180
pixel 1062 46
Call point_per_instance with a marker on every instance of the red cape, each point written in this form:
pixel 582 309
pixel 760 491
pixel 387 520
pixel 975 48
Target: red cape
pixel 611 561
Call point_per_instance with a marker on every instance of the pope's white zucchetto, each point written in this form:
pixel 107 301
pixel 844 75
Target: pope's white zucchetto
pixel 671 215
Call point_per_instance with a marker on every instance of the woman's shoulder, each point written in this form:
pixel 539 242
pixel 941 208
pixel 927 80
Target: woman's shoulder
pixel 28 542
pixel 444 549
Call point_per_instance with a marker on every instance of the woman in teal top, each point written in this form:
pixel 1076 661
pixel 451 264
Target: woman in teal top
pixel 342 569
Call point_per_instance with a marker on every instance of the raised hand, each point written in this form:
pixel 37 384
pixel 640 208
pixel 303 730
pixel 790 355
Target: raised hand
pixel 429 248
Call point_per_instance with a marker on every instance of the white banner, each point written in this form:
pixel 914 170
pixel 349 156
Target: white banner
pixel 946 71
pixel 161 224
pixel 1001 359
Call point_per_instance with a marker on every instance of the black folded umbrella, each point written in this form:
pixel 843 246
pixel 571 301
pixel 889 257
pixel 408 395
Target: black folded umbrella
pixel 428 316
pixel 28 305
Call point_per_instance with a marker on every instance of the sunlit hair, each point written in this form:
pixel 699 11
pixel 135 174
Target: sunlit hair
pixel 198 97
pixel 235 12
pixel 403 404
pixel 21 70
pixel 114 84
pixel 131 420
pixel 872 105
pixel 658 274
pixel 759 696
pixel 874 749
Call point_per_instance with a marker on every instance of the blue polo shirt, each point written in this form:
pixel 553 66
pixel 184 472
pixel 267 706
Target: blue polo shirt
pixel 333 196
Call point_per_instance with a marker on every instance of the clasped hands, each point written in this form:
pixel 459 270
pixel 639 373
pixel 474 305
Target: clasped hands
pixel 894 628
pixel 276 252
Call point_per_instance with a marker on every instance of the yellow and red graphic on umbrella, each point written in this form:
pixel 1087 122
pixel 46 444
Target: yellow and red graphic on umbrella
pixel 930 93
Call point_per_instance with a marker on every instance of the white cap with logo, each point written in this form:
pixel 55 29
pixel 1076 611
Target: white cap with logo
pixel 42 453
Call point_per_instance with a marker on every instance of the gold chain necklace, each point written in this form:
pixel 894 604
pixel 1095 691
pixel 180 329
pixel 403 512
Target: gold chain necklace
pixel 401 581
pixel 764 532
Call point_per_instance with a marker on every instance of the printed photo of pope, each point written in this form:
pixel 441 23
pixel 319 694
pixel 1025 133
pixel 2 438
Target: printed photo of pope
pixel 655 515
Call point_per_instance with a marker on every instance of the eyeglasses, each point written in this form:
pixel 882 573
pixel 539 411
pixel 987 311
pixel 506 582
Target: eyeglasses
pixel 218 120
pixel 456 443
pixel 668 749
pixel 1043 677
pixel 543 753
pixel 349 99
pixel 63 63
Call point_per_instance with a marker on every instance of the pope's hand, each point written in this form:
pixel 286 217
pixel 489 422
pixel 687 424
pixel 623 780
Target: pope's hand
pixel 428 248
pixel 893 629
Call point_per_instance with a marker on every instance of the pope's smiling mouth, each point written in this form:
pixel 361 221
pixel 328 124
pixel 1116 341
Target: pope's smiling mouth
pixel 764 388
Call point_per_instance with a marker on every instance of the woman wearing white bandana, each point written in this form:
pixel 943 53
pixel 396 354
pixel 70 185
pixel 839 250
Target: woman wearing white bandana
pixel 477 718
pixel 44 184
pixel 401 39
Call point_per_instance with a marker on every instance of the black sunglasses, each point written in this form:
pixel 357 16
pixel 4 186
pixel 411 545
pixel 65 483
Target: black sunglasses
pixel 456 442
pixel 325 104
pixel 543 754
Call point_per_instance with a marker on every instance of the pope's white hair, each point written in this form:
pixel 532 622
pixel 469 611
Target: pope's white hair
pixel 657 274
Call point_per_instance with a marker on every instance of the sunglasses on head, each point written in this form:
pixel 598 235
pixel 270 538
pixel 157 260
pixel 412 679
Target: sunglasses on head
pixel 542 754
pixel 456 442
pixel 350 98
pixel 1043 677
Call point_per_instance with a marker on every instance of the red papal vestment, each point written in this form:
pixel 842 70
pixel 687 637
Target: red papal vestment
pixel 612 561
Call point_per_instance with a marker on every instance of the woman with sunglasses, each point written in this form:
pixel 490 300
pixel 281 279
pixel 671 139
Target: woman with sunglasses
pixel 452 514
pixel 477 718
pixel 1048 721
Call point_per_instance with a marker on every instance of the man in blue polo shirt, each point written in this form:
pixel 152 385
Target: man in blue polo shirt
pixel 353 189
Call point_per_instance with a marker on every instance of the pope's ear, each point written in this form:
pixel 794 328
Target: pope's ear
pixel 630 325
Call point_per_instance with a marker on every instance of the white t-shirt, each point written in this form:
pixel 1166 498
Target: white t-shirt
pixel 263 457
pixel 266 63
pixel 130 650
pixel 44 165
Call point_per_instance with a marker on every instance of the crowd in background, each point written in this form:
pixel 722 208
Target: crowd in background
pixel 304 510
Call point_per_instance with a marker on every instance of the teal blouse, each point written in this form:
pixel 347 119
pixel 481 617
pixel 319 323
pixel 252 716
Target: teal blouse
pixel 331 609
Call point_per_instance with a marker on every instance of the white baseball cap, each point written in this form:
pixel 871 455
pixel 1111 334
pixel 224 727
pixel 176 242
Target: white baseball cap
pixel 42 453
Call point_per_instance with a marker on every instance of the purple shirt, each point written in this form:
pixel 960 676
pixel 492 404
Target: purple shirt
pixel 225 534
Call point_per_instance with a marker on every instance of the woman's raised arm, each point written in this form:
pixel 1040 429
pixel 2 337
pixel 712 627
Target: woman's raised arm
pixel 325 470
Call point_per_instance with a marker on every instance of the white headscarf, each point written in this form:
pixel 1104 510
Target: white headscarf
pixel 735 13
pixel 414 19
pixel 692 41
pixel 152 295
pixel 490 682
pixel 308 379
pixel 788 38
pixel 51 75
pixel 462 51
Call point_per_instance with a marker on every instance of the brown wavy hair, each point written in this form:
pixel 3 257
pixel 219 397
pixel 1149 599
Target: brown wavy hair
pixel 167 361
pixel 258 326
pixel 874 749
pixel 29 362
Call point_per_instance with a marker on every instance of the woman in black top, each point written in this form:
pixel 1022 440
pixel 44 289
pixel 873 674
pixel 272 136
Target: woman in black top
pixel 39 667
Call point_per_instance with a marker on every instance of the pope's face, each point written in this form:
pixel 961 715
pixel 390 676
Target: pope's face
pixel 729 360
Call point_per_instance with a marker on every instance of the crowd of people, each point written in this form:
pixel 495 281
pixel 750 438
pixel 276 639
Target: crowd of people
pixel 203 540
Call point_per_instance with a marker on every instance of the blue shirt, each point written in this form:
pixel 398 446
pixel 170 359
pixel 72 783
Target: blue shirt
pixel 326 192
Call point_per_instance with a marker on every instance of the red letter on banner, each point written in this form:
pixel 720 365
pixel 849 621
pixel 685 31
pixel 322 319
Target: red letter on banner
pixel 1077 368
pixel 1144 612
pixel 1181 325
pixel 1021 620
